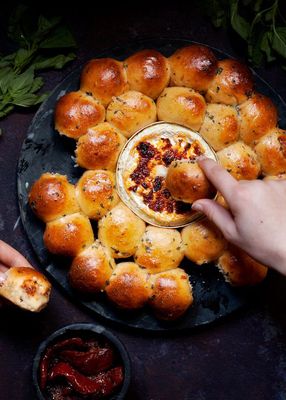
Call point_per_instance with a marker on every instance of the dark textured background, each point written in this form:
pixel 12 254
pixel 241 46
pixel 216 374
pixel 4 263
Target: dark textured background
pixel 241 357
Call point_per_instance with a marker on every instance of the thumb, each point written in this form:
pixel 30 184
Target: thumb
pixel 221 217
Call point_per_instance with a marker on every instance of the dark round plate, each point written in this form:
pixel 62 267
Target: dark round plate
pixel 45 151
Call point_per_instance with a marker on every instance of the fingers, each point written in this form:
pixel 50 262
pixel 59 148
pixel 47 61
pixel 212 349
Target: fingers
pixel 10 257
pixel 221 217
pixel 219 177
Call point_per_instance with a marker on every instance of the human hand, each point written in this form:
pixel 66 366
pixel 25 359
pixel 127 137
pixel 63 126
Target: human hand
pixel 9 257
pixel 256 219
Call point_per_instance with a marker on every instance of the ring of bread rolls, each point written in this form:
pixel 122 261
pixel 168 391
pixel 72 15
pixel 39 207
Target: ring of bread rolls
pixel 116 98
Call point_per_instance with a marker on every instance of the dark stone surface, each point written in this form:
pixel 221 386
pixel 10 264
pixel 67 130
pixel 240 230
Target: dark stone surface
pixel 240 357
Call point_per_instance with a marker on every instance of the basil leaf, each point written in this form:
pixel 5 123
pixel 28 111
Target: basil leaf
pixel 279 41
pixel 53 62
pixel 60 38
pixel 265 46
pixel 23 82
pixel 6 110
pixel 29 99
pixel 239 24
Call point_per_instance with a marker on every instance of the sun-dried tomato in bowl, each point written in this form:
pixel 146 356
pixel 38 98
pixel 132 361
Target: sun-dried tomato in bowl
pixel 81 361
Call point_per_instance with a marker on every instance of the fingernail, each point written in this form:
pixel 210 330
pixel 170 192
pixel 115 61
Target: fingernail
pixel 197 207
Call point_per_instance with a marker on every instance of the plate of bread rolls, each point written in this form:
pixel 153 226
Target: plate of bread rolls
pixel 108 173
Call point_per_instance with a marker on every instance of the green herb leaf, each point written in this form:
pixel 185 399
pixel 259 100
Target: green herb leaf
pixel 53 62
pixel 279 41
pixel 61 38
pixel 239 24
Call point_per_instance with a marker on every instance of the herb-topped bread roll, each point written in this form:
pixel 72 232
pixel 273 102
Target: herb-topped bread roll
pixel 100 147
pixel 193 66
pixel 159 249
pixel 148 72
pixel 96 194
pixel 104 78
pixel 131 111
pixel 203 241
pixel 129 286
pixel 220 126
pixel 186 182
pixel 25 287
pixel 232 84
pixel 171 294
pixel 240 161
pixel 121 231
pixel 76 112
pixel 91 269
pixel 67 236
pixel 52 197
pixel 239 269
pixel 271 152
pixel 182 106
pixel 258 115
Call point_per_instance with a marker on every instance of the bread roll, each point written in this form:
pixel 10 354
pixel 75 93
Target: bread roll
pixel 182 106
pixel 75 112
pixel 148 72
pixel 131 111
pixel 96 193
pixel 171 295
pixel 52 197
pixel 258 116
pixel 104 78
pixel 121 231
pixel 100 147
pixel 220 126
pixel 193 66
pixel 203 241
pixel 187 182
pixel 91 269
pixel 26 288
pixel 233 83
pixel 240 161
pixel 271 152
pixel 69 235
pixel 159 249
pixel 129 286
pixel 239 269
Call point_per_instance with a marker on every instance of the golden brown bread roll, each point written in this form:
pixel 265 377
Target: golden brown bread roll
pixel 121 231
pixel 129 286
pixel 75 112
pixel 25 287
pixel 148 72
pixel 91 269
pixel 131 111
pixel 96 193
pixel 258 116
pixel 240 161
pixel 100 147
pixel 69 235
pixel 221 200
pixel 220 126
pixel 232 84
pixel 104 78
pixel 52 196
pixel 271 152
pixel 159 249
pixel 186 181
pixel 239 269
pixel 182 106
pixel 193 66
pixel 203 241
pixel 171 295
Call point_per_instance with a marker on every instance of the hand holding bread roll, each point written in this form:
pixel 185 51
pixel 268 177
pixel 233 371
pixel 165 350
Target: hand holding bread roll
pixel 187 182
pixel 20 283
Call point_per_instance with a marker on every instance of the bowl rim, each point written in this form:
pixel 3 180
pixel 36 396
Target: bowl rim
pixel 88 327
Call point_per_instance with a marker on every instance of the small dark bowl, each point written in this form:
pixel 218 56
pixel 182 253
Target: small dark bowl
pixel 78 330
